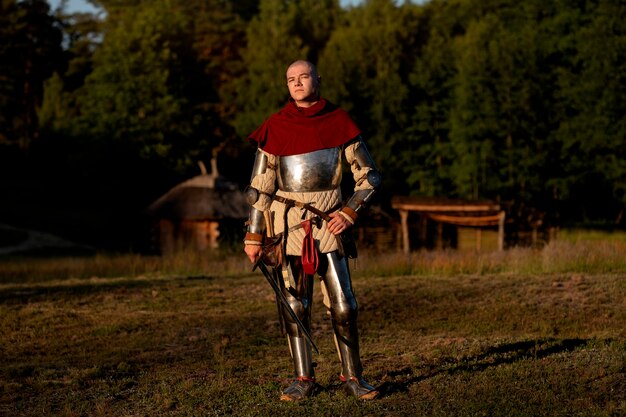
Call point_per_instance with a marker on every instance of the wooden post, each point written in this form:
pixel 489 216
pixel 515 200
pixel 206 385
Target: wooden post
pixel 439 235
pixel 201 232
pixel 214 233
pixel 423 223
pixel 478 236
pixel 404 215
pixel 501 231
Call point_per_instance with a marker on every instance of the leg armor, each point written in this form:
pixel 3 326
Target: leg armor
pixel 300 299
pixel 344 312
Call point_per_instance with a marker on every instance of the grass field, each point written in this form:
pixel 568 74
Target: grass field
pixel 519 333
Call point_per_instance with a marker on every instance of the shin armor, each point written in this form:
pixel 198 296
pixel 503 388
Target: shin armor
pixel 300 299
pixel 343 311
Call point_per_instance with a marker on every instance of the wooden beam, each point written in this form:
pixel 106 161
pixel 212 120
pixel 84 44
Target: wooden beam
pixel 445 207
pixel 493 220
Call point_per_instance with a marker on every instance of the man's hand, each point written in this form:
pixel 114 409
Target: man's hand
pixel 253 252
pixel 338 223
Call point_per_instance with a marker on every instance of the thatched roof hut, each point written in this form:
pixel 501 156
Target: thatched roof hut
pixel 191 214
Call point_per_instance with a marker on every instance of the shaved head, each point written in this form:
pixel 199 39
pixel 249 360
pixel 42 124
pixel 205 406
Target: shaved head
pixel 303 83
pixel 312 68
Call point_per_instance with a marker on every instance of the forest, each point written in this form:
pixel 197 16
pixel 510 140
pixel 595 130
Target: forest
pixel 523 103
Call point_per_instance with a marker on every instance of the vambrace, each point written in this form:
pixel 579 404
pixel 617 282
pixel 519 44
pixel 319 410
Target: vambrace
pixel 256 222
pixel 262 179
pixel 365 173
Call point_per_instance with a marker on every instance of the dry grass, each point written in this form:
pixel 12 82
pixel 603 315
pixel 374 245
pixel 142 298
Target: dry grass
pixel 556 257
pixel 571 255
pixel 31 270
pixel 519 333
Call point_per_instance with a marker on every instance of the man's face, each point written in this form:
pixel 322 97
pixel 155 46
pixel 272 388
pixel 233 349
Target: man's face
pixel 303 85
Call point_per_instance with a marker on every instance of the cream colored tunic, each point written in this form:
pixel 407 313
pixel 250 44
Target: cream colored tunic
pixel 325 241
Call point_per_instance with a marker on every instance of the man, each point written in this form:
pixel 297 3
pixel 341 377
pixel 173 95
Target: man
pixel 295 194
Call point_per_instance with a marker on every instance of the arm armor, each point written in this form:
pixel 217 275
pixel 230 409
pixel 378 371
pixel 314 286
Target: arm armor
pixel 365 173
pixel 256 221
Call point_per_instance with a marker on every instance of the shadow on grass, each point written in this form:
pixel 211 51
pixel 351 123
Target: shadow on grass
pixel 38 292
pixel 493 356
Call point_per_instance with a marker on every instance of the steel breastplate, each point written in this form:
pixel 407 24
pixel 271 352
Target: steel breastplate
pixel 312 171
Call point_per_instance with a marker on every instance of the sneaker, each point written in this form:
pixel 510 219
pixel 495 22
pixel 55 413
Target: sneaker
pixel 299 389
pixel 359 388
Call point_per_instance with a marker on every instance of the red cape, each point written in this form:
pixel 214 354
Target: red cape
pixel 295 130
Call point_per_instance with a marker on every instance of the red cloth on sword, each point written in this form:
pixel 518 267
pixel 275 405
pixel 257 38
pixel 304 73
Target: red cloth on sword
pixel 296 130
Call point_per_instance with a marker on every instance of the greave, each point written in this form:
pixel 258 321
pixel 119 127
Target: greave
pixel 302 356
pixel 299 299
pixel 344 311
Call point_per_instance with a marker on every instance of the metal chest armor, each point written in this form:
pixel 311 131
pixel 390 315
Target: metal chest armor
pixel 312 171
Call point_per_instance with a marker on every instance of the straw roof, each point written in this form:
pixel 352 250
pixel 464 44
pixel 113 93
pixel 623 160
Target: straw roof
pixel 204 197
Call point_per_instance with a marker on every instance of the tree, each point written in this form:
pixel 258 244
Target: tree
pixel 482 87
pixel 58 111
pixel 30 51
pixel 218 29
pixel 281 33
pixel 366 65
pixel 593 88
pixel 427 154
pixel 136 93
pixel 497 123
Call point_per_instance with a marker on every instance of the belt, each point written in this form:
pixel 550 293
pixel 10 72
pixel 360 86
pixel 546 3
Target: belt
pixel 290 202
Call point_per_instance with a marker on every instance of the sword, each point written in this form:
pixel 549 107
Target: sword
pixel 280 296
